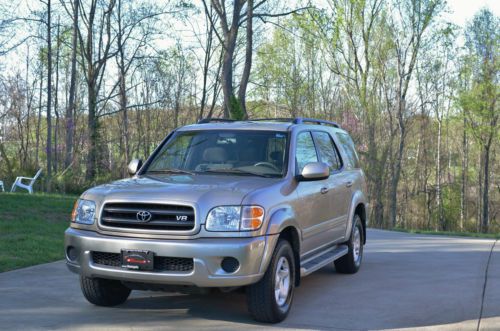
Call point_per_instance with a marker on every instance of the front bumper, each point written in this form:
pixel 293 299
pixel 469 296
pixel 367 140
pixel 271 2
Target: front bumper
pixel 252 253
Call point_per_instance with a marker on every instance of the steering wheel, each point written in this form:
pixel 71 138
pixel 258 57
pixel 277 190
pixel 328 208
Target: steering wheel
pixel 268 165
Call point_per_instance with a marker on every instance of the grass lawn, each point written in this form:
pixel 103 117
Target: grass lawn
pixel 32 228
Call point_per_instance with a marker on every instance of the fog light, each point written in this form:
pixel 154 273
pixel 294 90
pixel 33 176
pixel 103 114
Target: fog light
pixel 230 264
pixel 72 253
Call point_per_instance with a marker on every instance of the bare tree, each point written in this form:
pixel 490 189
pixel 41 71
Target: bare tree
pixel 70 109
pixel 95 48
pixel 480 102
pixel 231 17
pixel 49 92
pixel 415 17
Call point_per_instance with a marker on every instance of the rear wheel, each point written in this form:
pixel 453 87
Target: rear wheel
pixel 270 299
pixel 351 262
pixel 104 292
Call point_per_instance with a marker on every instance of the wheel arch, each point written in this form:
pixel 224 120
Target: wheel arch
pixel 284 224
pixel 359 206
pixel 361 212
pixel 291 235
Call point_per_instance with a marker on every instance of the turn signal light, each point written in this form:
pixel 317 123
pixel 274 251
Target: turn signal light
pixel 252 218
pixel 75 210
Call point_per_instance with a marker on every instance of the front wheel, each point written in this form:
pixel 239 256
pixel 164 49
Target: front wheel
pixel 104 292
pixel 270 299
pixel 351 262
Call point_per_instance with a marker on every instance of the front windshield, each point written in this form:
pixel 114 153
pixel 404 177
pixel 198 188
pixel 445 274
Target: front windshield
pixel 252 153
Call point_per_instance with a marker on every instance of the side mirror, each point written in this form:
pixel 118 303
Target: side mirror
pixel 134 166
pixel 314 171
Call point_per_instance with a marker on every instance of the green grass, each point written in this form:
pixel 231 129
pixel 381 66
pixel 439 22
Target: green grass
pixel 452 233
pixel 32 228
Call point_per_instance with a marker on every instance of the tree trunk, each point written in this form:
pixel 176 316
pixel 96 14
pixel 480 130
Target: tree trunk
pixel 39 120
pixel 248 61
pixel 216 88
pixel 227 77
pixel 7 161
pixel 56 102
pixel 206 68
pixel 70 110
pixel 49 96
pixel 229 37
pixel 123 106
pixel 29 106
pixel 93 134
pixel 124 110
pixel 439 201
pixel 486 202
pixel 122 85
pixel 393 198
pixel 480 195
pixel 463 192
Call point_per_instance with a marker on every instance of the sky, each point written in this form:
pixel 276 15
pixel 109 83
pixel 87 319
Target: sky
pixel 464 10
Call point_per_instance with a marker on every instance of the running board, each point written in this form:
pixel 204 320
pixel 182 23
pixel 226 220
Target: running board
pixel 318 261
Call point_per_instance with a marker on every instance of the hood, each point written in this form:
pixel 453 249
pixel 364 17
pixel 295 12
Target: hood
pixel 209 190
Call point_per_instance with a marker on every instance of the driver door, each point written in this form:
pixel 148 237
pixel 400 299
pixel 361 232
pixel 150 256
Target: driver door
pixel 313 210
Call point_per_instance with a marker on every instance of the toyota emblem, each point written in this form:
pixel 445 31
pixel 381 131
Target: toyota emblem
pixel 144 216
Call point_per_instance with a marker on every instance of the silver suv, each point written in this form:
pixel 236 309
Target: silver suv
pixel 225 204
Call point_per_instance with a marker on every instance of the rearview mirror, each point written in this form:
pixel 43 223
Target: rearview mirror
pixel 134 166
pixel 314 171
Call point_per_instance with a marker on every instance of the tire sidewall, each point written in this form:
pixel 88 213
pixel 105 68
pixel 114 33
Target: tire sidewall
pixel 284 249
pixel 356 224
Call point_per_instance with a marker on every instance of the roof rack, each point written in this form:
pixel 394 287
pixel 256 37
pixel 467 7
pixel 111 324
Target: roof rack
pixel 277 119
pixel 214 119
pixel 296 120
pixel 301 120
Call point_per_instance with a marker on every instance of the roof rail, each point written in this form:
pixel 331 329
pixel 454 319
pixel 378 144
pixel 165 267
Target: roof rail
pixel 301 120
pixel 214 119
pixel 296 120
pixel 277 119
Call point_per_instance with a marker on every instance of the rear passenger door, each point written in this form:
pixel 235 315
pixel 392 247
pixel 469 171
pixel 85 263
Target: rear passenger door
pixel 337 187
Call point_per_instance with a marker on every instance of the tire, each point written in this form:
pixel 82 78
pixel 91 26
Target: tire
pixel 264 302
pixel 351 262
pixel 104 292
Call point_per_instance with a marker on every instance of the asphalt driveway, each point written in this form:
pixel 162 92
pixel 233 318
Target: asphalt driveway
pixel 407 281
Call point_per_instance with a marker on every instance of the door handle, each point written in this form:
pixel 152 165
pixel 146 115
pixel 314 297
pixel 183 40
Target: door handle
pixel 348 183
pixel 324 190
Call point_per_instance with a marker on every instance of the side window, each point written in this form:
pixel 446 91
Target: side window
pixel 327 151
pixel 350 150
pixel 305 151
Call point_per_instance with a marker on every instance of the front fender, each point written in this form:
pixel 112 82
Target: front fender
pixel 281 219
pixel 357 198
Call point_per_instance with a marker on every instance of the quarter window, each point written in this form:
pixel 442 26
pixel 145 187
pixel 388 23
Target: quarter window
pixel 305 151
pixel 327 151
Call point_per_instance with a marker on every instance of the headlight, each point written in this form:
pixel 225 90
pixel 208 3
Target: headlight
pixel 83 212
pixel 235 218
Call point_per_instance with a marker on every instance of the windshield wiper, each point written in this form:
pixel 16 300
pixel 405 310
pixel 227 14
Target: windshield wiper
pixel 170 171
pixel 238 171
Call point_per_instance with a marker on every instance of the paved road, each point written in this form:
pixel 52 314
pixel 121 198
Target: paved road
pixel 407 281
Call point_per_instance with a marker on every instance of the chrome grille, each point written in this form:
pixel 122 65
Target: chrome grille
pixel 161 263
pixel 162 217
